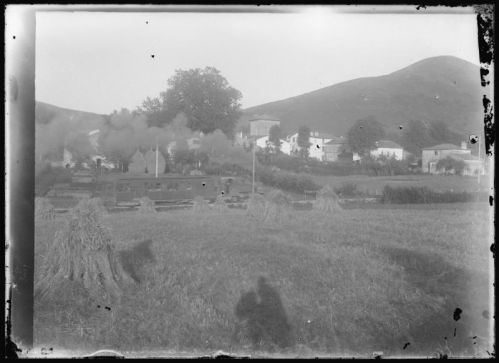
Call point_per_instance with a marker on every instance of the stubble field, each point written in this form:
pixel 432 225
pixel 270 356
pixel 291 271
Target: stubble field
pixel 349 284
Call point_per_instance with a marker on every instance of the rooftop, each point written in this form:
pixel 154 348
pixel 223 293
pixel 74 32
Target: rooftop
pixel 443 147
pixel 388 144
pixel 263 117
pixel 337 140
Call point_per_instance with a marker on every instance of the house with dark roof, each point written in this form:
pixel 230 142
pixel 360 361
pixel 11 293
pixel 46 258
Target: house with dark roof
pixel 389 149
pixel 260 124
pixel 432 155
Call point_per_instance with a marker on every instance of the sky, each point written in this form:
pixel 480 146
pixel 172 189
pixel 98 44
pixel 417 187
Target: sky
pixel 102 61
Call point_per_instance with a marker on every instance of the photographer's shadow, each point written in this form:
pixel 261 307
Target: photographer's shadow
pixel 263 318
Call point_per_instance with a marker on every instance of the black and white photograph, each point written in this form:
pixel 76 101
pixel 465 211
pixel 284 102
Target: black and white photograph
pixel 273 181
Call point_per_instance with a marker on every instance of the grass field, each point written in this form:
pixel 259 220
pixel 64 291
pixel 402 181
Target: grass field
pixel 374 185
pixel 359 281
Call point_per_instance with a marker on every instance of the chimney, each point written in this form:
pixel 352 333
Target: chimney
pixel 463 145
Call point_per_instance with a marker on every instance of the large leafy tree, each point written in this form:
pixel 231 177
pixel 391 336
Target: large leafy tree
pixel 203 95
pixel 303 141
pixel 364 133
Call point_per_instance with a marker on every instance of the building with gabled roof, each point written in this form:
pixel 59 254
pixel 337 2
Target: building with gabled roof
pixel 389 149
pixel 260 124
pixel 431 155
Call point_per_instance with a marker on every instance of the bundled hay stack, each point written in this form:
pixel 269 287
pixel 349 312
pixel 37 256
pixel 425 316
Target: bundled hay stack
pixel 146 205
pixel 82 252
pixel 98 205
pixel 220 205
pixel 200 204
pixel 44 210
pixel 327 200
pixel 277 207
pixel 256 207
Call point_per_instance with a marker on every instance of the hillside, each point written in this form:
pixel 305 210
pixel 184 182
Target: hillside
pixel 83 121
pixel 441 88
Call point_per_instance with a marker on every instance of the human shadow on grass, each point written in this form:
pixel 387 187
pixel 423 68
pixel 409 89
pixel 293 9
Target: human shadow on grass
pixel 263 318
pixel 135 258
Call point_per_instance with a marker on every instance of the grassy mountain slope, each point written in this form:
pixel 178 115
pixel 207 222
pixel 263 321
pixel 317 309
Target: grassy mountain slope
pixel 440 88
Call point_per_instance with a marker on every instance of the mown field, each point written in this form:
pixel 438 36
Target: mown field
pixel 350 284
pixel 374 185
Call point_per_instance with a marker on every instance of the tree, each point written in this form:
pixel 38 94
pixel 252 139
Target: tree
pixel 363 135
pixel 204 96
pixel 450 164
pixel 303 141
pixel 416 136
pixel 80 147
pixel 155 111
pixel 275 135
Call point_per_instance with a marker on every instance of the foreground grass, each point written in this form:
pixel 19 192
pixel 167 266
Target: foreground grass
pixel 353 283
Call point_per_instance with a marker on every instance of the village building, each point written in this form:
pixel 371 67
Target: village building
pixel 263 143
pixel 260 125
pixel 389 149
pixel 432 155
pixel 335 147
pixel 317 141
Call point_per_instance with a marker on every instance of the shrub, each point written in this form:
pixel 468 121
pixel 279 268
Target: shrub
pixel 347 189
pixel 403 195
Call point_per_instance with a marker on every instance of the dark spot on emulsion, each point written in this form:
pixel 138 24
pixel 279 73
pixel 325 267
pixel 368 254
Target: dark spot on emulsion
pixel 454 331
pixel 98 306
pixel 204 184
pixel 13 37
pixel 457 315
pixel 486 314
pixel 107 308
pixel 493 250
pixel 152 55
pixel 147 22
pixel 491 200
pixel 406 345
pixel 223 193
pixel 318 147
pixel 401 127
pixel 473 139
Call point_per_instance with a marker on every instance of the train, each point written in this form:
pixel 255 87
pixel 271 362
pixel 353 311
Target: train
pixel 121 190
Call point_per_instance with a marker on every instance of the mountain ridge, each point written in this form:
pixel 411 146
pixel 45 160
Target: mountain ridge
pixel 443 88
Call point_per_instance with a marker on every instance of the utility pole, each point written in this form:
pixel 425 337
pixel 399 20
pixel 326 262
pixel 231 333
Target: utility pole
pixel 253 184
pixel 156 157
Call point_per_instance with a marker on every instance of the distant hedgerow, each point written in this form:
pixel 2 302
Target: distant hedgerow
pixel 405 195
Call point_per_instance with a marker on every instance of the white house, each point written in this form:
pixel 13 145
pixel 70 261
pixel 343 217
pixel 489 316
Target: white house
pixel 262 143
pixel 389 149
pixel 317 140
pixel 432 155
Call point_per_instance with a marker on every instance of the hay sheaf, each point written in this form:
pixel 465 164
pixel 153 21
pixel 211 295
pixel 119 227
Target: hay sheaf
pixel 146 205
pixel 327 201
pixel 256 207
pixel 44 210
pixel 199 204
pixel 99 206
pixel 82 252
pixel 220 205
pixel 278 207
